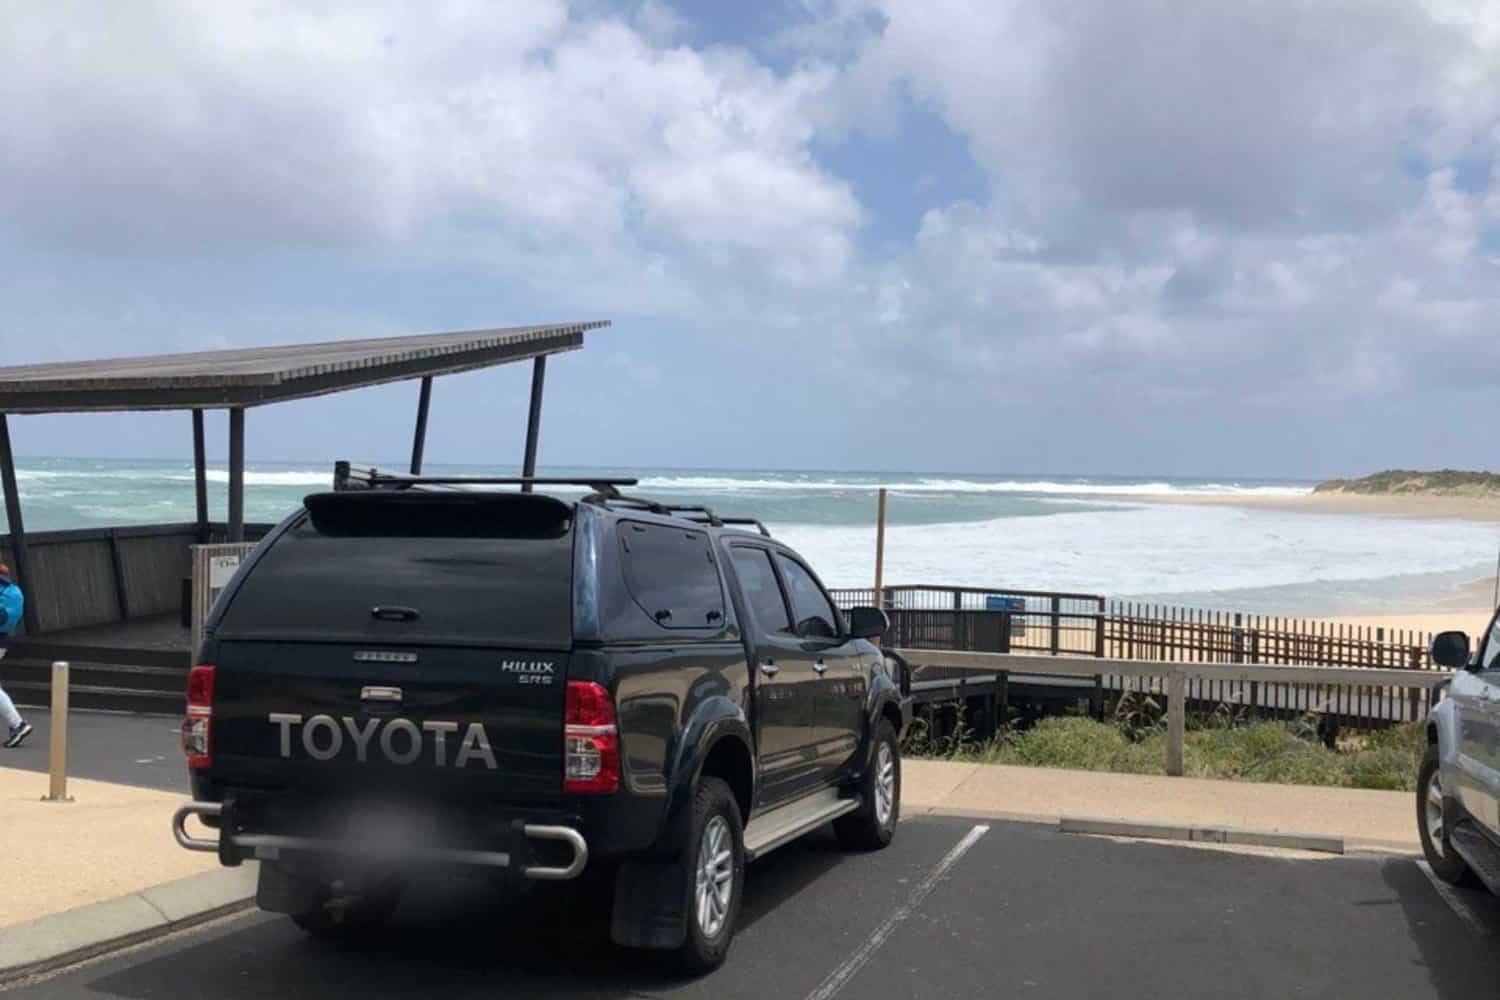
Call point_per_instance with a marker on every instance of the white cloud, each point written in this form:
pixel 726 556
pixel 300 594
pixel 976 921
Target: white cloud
pixel 515 129
pixel 1182 205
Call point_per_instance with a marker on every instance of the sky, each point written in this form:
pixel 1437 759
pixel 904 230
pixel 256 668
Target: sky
pixel 1132 237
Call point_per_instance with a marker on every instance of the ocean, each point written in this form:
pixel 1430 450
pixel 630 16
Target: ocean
pixel 1120 537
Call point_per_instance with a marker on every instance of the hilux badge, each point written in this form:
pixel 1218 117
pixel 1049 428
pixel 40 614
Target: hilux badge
pixel 528 671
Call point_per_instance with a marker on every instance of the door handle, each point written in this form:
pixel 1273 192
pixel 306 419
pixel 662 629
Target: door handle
pixel 769 668
pixel 820 666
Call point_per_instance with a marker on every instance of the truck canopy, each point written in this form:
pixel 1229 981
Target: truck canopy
pixel 433 568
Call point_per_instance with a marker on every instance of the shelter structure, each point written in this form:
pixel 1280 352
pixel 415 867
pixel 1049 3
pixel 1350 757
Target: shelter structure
pixel 238 381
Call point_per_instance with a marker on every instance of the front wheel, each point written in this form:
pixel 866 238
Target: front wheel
pixel 715 861
pixel 1432 824
pixel 873 824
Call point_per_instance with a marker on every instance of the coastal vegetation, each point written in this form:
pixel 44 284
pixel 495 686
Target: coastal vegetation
pixel 1408 482
pixel 1218 745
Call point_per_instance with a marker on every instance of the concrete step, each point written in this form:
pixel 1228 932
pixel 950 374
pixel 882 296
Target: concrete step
pixel 35 694
pixel 163 680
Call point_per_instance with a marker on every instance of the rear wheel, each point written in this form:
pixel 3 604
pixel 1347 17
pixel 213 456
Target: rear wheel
pixel 341 918
pixel 1432 824
pixel 714 857
pixel 872 825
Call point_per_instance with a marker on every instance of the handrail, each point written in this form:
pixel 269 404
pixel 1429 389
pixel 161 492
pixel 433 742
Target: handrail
pixel 1177 675
pixel 1090 666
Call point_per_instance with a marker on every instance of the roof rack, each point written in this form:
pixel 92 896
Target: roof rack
pixel 346 477
pixel 733 522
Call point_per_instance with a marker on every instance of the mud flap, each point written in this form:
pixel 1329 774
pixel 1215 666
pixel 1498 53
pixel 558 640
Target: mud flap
pixel 650 904
pixel 280 891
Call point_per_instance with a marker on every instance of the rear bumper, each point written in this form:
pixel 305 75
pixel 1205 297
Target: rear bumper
pixel 231 847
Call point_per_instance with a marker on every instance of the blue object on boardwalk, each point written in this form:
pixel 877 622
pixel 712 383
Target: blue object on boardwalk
pixel 1017 608
pixel 12 603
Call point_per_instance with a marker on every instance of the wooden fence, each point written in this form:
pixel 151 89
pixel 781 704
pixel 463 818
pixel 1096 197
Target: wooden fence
pixel 94 576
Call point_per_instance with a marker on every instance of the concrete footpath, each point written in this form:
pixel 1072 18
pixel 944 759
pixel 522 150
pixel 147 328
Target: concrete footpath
pixel 111 840
pixel 104 870
pixel 1367 820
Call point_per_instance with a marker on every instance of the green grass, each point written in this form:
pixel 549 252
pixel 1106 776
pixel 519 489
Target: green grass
pixel 1442 482
pixel 1258 751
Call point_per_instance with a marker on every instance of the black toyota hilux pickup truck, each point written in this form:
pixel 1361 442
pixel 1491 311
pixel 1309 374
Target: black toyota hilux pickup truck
pixel 418 675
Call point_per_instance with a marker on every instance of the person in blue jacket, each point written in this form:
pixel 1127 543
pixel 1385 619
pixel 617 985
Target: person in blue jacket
pixel 12 602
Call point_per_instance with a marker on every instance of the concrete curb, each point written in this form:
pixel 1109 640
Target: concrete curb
pixel 1205 835
pixel 61 939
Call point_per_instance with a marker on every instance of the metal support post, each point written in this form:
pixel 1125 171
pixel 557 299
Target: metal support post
pixel 18 553
pixel 880 549
pixel 200 476
pixel 419 439
pixel 534 419
pixel 237 475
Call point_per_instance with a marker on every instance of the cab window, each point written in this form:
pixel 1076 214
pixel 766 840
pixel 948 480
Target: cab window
pixel 811 609
pixel 762 592
pixel 1491 657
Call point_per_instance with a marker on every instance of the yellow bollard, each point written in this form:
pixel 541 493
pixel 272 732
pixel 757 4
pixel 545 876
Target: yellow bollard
pixel 57 790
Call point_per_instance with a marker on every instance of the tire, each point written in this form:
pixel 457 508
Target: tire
pixel 872 826
pixel 714 827
pixel 1437 847
pixel 350 919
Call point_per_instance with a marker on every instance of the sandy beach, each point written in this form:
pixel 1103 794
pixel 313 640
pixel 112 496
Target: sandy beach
pixel 1415 507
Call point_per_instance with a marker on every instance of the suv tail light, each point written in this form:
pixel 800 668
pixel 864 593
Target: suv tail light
pixel 197 727
pixel 591 740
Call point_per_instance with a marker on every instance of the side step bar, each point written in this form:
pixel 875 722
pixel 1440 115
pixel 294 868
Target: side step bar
pixel 779 826
pixel 268 847
pixel 1483 857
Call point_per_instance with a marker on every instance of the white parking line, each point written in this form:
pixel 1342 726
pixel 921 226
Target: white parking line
pixel 1455 901
pixel 840 977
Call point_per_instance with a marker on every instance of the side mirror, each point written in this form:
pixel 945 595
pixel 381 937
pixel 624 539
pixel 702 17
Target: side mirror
pixel 1451 649
pixel 867 623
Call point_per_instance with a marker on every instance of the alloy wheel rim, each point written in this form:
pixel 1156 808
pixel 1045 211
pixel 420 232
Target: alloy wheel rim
pixel 715 879
pixel 885 784
pixel 1433 811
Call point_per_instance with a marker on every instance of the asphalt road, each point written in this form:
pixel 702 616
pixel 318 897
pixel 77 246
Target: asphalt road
pixel 104 746
pixel 1025 912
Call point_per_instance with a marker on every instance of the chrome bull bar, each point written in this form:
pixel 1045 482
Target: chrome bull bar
pixel 267 846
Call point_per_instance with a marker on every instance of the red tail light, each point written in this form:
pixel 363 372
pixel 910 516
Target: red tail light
pixel 591 740
pixel 197 728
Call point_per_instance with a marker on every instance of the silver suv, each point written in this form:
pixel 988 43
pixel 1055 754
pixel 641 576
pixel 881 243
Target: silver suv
pixel 1458 787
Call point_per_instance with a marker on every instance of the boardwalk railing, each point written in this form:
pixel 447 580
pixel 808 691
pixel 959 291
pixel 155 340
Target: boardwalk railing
pixel 1001 620
pixel 997 668
pixel 970 618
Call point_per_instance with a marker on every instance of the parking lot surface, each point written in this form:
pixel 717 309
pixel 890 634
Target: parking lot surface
pixel 1020 910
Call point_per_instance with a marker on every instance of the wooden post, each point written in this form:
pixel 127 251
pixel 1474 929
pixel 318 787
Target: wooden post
pixel 1056 627
pixel 57 786
pixel 117 572
pixel 880 550
pixel 1002 697
pixel 1176 721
